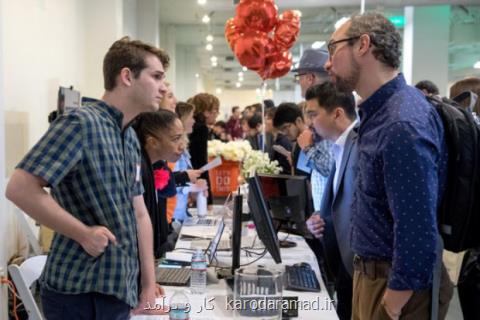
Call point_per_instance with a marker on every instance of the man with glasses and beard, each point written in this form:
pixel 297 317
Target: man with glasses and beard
pixel 402 162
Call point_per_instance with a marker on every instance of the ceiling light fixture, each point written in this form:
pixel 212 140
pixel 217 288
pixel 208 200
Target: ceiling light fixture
pixel 213 59
pixel 209 47
pixel 244 69
pixel 202 2
pixel 206 19
pixel 318 44
pixel 238 84
pixel 477 65
pixel 218 91
pixel 197 75
pixel 240 74
pixel 209 38
pixel 214 63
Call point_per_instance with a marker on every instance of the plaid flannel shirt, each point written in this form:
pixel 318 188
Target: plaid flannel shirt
pixel 93 169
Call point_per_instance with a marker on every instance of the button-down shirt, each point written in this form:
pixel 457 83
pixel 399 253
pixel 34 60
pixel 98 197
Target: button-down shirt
pixel 320 160
pixel 337 149
pixel 401 173
pixel 93 169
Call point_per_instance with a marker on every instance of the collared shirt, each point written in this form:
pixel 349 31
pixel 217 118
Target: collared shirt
pixel 320 160
pixel 337 149
pixel 93 169
pixel 402 159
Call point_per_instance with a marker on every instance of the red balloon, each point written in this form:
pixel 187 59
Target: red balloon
pixel 260 15
pixel 232 32
pixel 250 49
pixel 287 30
pixel 247 35
pixel 277 66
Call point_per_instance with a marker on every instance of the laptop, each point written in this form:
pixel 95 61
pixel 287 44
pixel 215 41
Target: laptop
pixel 180 276
pixel 208 221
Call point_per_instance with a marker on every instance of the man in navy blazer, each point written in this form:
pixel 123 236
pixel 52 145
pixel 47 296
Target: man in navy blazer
pixel 334 118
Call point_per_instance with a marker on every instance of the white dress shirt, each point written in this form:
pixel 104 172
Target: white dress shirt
pixel 337 149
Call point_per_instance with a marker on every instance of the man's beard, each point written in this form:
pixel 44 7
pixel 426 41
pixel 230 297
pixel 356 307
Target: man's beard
pixel 348 84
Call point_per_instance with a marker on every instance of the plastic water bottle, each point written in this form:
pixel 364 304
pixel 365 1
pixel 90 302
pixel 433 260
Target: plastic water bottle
pixel 201 205
pixel 198 273
pixel 179 307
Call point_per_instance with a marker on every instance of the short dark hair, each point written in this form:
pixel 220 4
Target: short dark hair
pixel 126 53
pixel 220 124
pixel 287 112
pixel 268 103
pixel 235 108
pixel 384 37
pixel 148 123
pixel 254 121
pixel 428 86
pixel 329 98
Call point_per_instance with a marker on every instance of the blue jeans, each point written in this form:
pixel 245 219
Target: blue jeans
pixel 84 306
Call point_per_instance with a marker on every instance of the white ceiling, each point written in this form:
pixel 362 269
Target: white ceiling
pixel 318 19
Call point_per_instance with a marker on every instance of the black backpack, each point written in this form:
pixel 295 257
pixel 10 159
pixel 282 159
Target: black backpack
pixel 459 212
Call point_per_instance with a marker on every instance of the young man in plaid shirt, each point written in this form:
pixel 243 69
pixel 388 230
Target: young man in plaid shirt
pixel 101 261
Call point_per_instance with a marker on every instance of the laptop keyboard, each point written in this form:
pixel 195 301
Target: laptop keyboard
pixel 173 276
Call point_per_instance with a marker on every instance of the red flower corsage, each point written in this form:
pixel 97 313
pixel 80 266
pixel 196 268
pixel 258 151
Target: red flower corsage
pixel 161 177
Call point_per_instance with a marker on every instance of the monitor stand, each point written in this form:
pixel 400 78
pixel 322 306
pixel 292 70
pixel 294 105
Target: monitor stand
pixel 229 273
pixel 284 243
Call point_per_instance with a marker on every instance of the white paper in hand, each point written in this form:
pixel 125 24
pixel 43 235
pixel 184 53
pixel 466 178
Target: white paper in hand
pixel 280 149
pixel 212 164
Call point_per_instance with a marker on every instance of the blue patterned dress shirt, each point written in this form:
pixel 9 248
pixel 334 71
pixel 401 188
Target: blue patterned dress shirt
pixel 401 172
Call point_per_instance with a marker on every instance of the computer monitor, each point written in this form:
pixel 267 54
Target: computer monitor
pixel 288 199
pixel 262 218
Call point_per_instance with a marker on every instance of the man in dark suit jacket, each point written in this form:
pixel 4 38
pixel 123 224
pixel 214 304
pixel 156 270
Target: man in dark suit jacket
pixel 255 136
pixel 333 116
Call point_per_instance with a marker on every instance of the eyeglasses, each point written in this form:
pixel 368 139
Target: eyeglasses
pixel 332 45
pixel 298 75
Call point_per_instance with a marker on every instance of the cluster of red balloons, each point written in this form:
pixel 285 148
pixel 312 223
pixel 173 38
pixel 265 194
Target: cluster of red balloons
pixel 260 39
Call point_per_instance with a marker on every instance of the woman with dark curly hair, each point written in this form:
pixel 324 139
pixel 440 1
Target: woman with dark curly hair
pixel 161 139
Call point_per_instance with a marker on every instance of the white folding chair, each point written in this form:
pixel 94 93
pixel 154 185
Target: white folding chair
pixel 28 231
pixel 23 276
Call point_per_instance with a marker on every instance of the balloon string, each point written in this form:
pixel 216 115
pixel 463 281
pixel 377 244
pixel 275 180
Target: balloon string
pixel 262 98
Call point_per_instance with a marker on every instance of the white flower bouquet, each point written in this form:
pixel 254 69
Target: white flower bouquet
pixel 241 151
pixel 232 151
pixel 258 161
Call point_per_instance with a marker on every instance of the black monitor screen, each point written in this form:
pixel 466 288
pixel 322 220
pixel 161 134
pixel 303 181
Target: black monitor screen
pixel 287 197
pixel 262 218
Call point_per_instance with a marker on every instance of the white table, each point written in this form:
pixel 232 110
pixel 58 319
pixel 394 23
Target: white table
pixel 311 305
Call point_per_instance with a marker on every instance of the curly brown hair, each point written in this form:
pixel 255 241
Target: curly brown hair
pixel 204 102
pixel 126 53
pixel 384 37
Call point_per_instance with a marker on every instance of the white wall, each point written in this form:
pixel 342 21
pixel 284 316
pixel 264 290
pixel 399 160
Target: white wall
pixel 3 220
pixel 186 66
pixel 45 44
pixel 241 98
